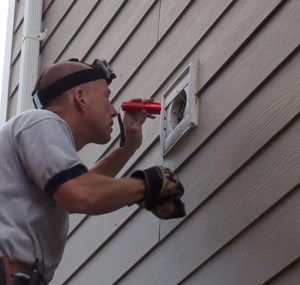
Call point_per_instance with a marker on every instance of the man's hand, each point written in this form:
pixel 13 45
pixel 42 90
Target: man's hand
pixel 161 185
pixel 163 192
pixel 169 209
pixel 133 122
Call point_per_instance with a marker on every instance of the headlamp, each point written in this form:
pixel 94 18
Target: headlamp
pixel 103 65
pixel 100 70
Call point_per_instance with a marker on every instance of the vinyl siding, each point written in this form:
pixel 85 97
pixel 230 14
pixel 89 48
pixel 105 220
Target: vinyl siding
pixel 15 59
pixel 240 166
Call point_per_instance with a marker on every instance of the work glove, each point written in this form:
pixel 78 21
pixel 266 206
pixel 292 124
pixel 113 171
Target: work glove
pixel 163 192
pixel 169 209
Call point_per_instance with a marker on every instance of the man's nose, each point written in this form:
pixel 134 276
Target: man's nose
pixel 113 111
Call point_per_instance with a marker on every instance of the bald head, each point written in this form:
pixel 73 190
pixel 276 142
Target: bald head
pixel 51 78
pixel 79 94
pixel 62 78
pixel 60 70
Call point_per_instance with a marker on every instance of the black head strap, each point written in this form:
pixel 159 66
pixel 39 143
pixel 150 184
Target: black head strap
pixel 100 70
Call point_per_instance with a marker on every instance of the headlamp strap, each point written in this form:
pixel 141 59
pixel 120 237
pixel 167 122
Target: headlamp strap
pixel 42 97
pixel 100 70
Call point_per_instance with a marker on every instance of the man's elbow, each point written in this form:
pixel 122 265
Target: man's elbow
pixel 72 199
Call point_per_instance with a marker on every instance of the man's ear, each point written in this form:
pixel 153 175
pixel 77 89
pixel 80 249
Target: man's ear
pixel 79 100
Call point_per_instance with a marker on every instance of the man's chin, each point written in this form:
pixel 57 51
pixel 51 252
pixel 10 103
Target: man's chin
pixel 104 140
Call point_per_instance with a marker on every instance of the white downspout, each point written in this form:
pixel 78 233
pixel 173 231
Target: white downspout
pixel 7 62
pixel 30 50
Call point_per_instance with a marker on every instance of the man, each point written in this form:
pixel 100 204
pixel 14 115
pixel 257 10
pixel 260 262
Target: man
pixel 43 179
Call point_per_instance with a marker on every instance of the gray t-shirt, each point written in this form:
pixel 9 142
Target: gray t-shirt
pixel 38 154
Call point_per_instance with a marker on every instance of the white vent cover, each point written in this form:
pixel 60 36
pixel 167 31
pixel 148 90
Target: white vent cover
pixel 179 108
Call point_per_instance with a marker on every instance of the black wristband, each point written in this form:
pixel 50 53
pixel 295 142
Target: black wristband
pixel 154 181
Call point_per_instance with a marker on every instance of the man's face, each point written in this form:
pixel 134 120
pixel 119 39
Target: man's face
pixel 100 112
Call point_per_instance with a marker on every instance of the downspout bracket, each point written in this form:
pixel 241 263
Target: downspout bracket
pixel 35 36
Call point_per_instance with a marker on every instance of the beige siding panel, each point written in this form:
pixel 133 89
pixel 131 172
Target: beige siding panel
pixel 247 27
pixel 17 42
pixel 160 54
pixel 272 107
pixel 53 17
pixel 47 4
pixel 75 219
pixel 175 46
pixel 144 38
pixel 242 23
pixel 65 31
pixel 209 120
pixel 206 121
pixel 260 251
pixel 12 105
pixel 212 117
pixel 123 27
pixel 223 217
pixel 121 252
pixel 157 61
pixel 95 231
pixel 19 14
pixel 243 75
pixel 248 131
pixel 131 91
pixel 14 76
pixel 136 50
pixel 100 30
pixel 151 157
pixel 89 154
pixel 266 114
pixel 170 11
pixel 244 135
pixel 213 54
pixel 164 62
pixel 288 277
pixel 139 158
pixel 240 138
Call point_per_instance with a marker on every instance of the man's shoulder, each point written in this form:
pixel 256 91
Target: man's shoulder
pixel 33 117
pixel 37 115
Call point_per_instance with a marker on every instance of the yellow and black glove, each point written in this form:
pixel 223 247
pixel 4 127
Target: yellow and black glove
pixel 169 209
pixel 163 192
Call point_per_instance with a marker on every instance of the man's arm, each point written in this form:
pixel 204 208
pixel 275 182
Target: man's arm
pixel 94 194
pixel 111 164
pixel 114 162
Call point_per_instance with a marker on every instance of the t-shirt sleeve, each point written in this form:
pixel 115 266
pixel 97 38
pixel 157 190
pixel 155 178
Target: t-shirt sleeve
pixel 47 153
